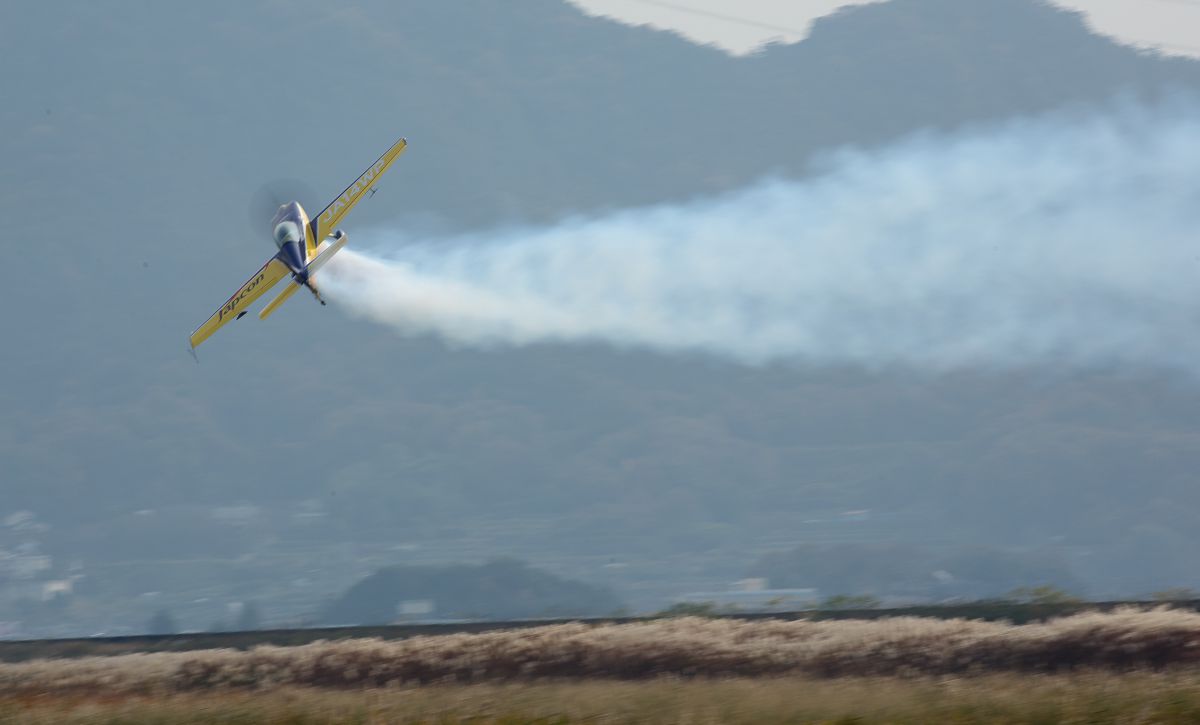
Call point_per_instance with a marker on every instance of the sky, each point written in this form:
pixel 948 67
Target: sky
pixel 556 436
pixel 1172 26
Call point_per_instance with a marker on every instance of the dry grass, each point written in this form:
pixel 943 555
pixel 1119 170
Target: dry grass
pixel 1008 698
pixel 1124 640
pixel 1123 667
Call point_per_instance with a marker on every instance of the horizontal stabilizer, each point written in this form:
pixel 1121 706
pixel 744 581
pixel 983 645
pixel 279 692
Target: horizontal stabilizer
pixel 280 298
pixel 327 250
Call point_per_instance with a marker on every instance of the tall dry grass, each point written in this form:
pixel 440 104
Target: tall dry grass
pixel 1123 640
pixel 1093 698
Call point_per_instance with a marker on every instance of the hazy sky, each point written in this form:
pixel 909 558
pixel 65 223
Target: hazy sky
pixel 741 25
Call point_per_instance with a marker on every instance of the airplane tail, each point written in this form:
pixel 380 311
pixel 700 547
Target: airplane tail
pixel 325 253
pixel 288 291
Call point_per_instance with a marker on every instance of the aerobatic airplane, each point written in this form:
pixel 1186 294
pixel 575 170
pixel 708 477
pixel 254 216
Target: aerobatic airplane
pixel 304 247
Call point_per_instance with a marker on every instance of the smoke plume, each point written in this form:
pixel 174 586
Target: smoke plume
pixel 1072 240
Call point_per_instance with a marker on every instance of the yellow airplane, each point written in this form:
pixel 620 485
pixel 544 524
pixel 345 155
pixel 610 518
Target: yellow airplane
pixel 304 247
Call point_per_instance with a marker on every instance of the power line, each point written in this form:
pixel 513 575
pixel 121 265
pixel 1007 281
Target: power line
pixel 720 16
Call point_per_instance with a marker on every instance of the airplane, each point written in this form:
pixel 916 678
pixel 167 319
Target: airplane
pixel 304 247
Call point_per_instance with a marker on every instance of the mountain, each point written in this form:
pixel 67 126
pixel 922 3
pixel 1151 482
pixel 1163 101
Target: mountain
pixel 317 448
pixel 497 589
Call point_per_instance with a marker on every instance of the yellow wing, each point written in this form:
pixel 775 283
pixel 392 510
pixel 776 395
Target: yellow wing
pixel 263 280
pixel 328 219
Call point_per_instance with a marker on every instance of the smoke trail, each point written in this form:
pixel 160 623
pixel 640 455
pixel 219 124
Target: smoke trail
pixel 1065 240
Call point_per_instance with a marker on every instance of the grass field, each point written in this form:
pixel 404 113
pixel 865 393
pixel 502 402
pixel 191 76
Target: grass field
pixel 1079 698
pixel 1118 667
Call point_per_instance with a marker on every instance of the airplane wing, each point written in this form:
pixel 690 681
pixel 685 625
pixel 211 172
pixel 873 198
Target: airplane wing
pixel 325 222
pixel 263 280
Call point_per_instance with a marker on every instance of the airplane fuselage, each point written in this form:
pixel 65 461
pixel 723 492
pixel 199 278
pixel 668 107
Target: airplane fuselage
pixel 289 228
pixel 293 236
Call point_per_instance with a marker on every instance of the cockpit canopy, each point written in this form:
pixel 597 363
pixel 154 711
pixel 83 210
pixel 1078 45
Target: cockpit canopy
pixel 286 231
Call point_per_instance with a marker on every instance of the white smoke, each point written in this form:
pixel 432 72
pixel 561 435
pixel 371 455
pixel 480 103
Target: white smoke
pixel 1069 240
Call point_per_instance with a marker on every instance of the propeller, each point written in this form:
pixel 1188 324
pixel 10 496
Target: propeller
pixel 273 194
